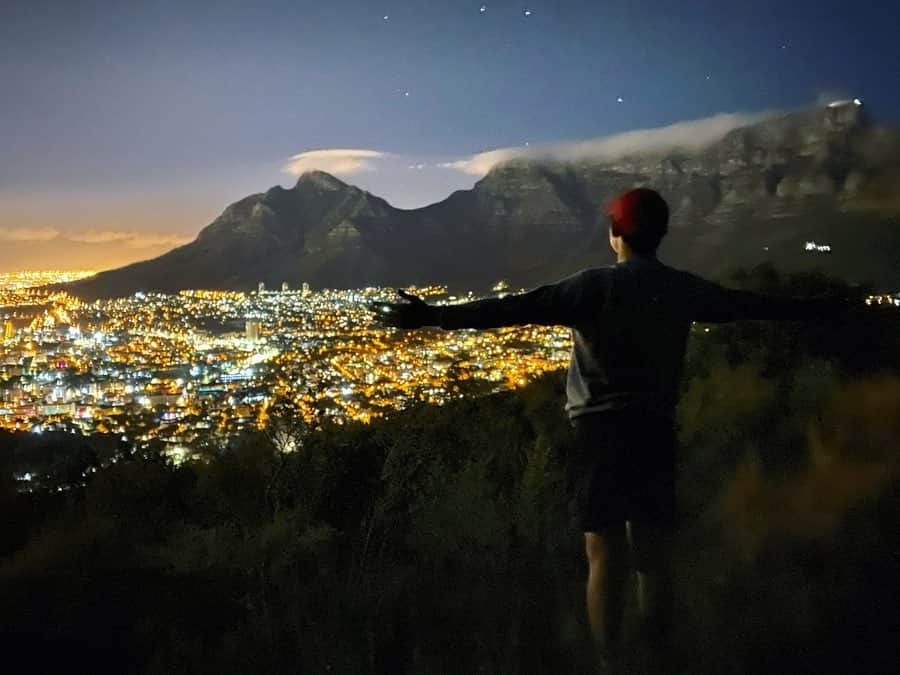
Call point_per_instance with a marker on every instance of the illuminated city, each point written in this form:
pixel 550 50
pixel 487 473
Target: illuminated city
pixel 205 365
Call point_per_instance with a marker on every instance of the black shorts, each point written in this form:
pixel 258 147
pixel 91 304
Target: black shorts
pixel 622 467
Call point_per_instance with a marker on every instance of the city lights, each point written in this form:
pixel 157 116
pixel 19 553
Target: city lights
pixel 204 364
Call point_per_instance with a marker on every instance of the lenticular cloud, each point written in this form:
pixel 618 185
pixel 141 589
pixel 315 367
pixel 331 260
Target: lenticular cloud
pixel 334 161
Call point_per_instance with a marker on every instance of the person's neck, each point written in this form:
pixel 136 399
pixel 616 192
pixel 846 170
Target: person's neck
pixel 626 254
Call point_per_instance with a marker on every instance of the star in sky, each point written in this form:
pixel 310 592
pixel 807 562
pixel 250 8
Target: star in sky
pixel 620 100
pixel 482 9
pixel 386 17
pixel 526 12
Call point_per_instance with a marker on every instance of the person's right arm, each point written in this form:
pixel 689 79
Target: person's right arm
pixel 563 303
pixel 559 304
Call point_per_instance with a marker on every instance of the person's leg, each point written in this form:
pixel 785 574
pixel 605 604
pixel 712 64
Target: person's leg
pixel 654 517
pixel 652 546
pixel 607 556
pixel 595 492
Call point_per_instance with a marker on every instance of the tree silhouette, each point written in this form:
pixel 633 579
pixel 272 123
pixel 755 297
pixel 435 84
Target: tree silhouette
pixel 286 430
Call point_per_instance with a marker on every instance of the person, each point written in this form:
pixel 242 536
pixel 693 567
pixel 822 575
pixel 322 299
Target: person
pixel 630 324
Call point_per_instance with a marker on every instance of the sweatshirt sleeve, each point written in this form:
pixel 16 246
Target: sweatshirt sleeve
pixel 711 303
pixel 559 304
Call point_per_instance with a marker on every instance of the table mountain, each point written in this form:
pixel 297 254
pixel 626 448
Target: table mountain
pixel 827 175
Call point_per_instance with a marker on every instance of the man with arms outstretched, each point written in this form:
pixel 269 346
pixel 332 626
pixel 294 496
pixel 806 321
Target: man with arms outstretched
pixel 630 323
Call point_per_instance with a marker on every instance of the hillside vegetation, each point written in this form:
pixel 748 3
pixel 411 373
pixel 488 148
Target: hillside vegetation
pixel 438 541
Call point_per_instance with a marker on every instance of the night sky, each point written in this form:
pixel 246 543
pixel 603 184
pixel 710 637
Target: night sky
pixel 125 127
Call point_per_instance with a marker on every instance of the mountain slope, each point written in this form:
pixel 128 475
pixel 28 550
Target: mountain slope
pixel 263 237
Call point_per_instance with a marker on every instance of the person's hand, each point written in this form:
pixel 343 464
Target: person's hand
pixel 414 313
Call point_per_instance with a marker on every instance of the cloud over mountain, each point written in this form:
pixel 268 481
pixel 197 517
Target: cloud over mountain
pixel 338 161
pixel 689 136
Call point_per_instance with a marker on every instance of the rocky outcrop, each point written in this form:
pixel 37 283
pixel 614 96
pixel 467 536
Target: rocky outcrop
pixel 806 185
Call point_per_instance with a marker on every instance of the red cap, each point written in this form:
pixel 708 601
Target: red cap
pixel 637 209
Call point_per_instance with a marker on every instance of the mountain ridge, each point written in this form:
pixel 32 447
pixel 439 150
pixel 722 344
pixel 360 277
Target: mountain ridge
pixel 756 194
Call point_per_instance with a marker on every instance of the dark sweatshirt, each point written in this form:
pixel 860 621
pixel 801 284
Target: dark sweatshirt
pixel 630 324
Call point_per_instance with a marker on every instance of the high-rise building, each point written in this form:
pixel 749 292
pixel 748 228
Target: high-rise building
pixel 305 288
pixel 262 287
pixel 9 330
pixel 284 287
pixel 251 330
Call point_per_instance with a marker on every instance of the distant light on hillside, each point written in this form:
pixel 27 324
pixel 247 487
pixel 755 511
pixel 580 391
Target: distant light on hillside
pixel 501 285
pixel 891 300
pixel 817 248
pixel 842 103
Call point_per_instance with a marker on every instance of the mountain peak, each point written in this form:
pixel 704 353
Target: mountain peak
pixel 320 179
